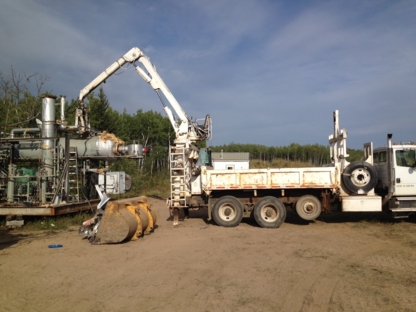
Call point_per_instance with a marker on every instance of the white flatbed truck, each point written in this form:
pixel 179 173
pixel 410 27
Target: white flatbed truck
pixel 361 186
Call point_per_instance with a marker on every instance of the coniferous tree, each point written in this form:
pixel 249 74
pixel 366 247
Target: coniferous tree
pixel 100 113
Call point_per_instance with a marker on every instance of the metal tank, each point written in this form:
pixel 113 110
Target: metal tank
pixel 94 147
pixel 48 144
pixel 103 148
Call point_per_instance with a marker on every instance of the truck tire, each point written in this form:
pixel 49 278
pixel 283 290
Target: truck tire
pixel 269 212
pixel 359 177
pixel 227 211
pixel 308 207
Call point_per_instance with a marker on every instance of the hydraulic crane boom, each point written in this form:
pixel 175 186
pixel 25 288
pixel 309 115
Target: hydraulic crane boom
pixel 187 131
pixel 130 57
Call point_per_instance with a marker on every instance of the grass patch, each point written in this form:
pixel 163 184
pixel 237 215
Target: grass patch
pixel 144 182
pixel 55 223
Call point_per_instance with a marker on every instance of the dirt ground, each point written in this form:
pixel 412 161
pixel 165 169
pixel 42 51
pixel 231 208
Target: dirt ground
pixel 342 262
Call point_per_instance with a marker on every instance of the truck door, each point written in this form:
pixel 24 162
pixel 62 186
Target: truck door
pixel 404 172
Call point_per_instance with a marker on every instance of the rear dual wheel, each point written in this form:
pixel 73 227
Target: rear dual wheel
pixel 308 207
pixel 227 211
pixel 269 212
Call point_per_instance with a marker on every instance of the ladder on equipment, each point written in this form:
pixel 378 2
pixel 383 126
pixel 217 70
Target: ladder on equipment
pixel 177 162
pixel 73 175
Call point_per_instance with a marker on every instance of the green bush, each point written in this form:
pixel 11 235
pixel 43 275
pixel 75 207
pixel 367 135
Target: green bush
pixel 144 182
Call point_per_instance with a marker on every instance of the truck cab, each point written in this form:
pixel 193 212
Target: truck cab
pixel 396 168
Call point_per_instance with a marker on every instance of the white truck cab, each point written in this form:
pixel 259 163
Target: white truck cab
pixel 396 168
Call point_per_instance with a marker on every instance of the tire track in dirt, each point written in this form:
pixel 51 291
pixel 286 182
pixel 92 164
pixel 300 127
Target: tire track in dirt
pixel 321 295
pixel 315 290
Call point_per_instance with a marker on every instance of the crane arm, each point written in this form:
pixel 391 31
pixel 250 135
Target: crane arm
pixel 156 82
pixel 185 128
pixel 130 57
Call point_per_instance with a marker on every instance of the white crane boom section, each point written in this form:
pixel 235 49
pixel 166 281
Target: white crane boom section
pixel 157 84
pixel 185 128
pixel 130 57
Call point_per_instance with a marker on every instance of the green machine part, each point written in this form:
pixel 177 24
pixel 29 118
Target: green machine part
pixel 24 179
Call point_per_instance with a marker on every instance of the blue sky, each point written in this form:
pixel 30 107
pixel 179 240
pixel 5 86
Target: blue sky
pixel 268 72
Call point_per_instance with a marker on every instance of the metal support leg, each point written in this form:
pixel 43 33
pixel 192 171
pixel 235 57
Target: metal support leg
pixel 175 217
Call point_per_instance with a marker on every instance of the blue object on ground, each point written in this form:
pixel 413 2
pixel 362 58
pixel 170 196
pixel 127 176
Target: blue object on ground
pixel 55 246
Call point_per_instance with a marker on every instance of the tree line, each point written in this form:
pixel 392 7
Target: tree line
pixel 313 154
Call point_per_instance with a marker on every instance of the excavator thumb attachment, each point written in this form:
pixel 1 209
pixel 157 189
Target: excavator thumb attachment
pixel 118 224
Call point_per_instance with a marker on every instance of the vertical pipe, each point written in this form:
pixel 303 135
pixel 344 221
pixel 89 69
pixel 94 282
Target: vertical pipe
pixel 10 183
pixel 48 142
pixel 390 175
pixel 62 108
pixel 106 169
pixel 336 134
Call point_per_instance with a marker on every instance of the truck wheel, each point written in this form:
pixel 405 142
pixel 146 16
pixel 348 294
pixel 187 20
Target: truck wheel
pixel 227 211
pixel 359 177
pixel 269 212
pixel 308 207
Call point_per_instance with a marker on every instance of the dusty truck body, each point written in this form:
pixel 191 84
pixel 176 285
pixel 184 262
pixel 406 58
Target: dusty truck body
pixel 230 195
pixel 267 189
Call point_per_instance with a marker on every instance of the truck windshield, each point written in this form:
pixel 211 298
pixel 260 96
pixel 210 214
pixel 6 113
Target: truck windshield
pixel 406 158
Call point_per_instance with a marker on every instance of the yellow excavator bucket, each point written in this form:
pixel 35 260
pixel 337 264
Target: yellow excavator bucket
pixel 121 221
pixel 117 224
